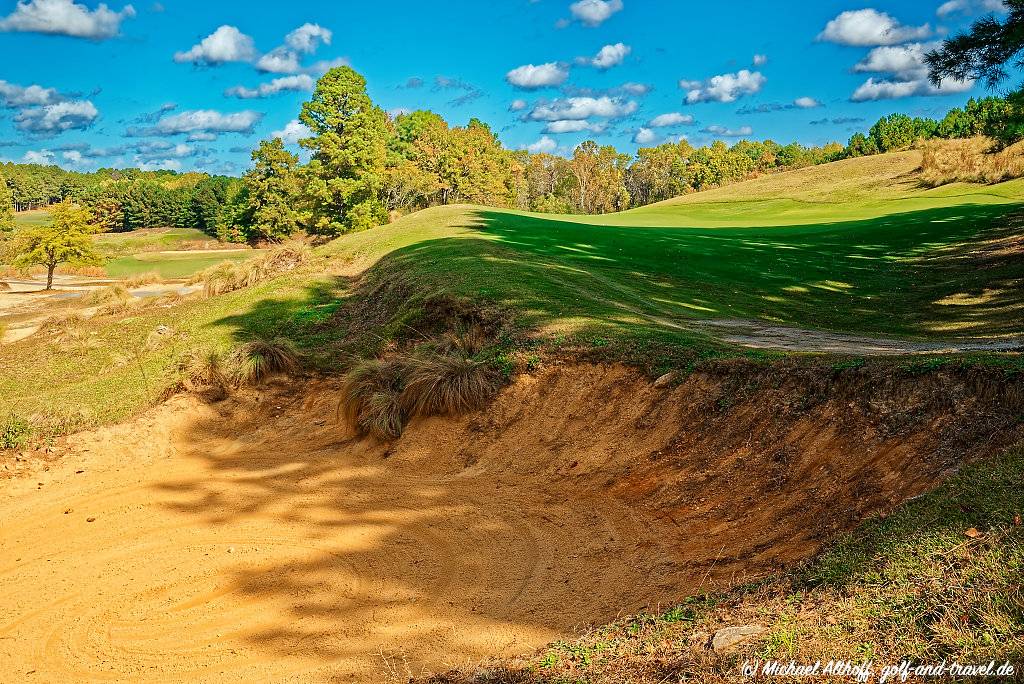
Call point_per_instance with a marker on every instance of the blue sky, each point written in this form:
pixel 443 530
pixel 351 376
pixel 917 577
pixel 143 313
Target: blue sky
pixel 184 84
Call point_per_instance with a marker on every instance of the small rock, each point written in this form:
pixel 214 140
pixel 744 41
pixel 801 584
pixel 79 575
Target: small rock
pixel 666 380
pixel 973 533
pixel 730 636
pixel 231 549
pixel 68 512
pixel 90 520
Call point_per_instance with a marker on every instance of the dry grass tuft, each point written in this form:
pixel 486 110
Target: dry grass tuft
pixel 380 395
pixel 205 371
pixel 969 161
pixel 150 278
pixel 257 360
pixel 68 326
pixel 446 385
pixel 370 398
pixel 229 276
pixel 105 295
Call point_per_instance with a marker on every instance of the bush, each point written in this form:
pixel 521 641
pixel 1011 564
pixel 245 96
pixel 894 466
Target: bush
pixel 370 398
pixel 205 371
pixel 14 432
pixel 446 386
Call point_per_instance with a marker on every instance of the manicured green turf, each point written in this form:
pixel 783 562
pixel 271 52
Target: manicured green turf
pixel 153 240
pixel 30 219
pixel 886 257
pixel 925 264
pixel 172 265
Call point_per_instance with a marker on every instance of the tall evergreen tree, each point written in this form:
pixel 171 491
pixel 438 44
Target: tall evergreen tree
pixel 273 186
pixel 349 146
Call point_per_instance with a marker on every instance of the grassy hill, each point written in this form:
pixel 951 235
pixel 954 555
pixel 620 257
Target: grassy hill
pixel 858 246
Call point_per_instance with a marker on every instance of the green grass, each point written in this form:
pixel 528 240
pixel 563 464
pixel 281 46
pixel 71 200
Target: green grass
pixel 922 264
pixel 153 240
pixel 886 257
pixel 172 265
pixel 31 219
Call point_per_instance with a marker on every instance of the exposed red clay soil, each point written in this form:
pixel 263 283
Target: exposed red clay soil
pixel 256 540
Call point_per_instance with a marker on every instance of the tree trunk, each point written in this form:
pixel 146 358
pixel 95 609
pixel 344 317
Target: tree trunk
pixel 49 276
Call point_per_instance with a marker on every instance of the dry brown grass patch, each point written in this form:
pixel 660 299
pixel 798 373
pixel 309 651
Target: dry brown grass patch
pixel 150 278
pixel 255 361
pixel 969 161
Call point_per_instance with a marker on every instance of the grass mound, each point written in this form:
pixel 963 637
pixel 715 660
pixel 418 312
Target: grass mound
pixel 106 295
pixel 205 371
pixel 370 398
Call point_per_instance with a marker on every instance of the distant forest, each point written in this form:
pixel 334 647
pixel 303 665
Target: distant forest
pixel 366 168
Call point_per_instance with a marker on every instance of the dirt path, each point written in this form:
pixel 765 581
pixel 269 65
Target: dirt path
pixel 255 540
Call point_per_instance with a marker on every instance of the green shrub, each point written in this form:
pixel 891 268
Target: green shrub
pixel 14 432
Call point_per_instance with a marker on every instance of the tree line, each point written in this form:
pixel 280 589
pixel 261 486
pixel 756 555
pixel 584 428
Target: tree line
pixel 365 168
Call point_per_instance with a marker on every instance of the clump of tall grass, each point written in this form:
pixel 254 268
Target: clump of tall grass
pixel 67 326
pixel 379 396
pixel 205 371
pixel 969 161
pixel 229 276
pixel 257 360
pixel 142 279
pixel 215 373
pixel 104 295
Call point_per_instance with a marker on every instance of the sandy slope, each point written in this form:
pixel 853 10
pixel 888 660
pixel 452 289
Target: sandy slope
pixel 253 540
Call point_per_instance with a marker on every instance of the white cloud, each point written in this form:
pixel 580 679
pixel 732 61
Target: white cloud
pixel 724 88
pixel 280 61
pixel 968 6
pixel 545 144
pixel 582 108
pixel 635 88
pixel 880 89
pixel 594 12
pixel 15 96
pixel 670 119
pixel 72 156
pixel 645 136
pixel 760 60
pixel 293 132
pixel 44 157
pixel 608 56
pixel 66 18
pixel 201 121
pixel 533 76
pixel 226 44
pixel 574 126
pixel 308 37
pixel 518 105
pixel 729 132
pixel 287 58
pixel 907 74
pixel 56 118
pixel 160 165
pixel 905 61
pixel 869 27
pixel 296 83
pixel 806 103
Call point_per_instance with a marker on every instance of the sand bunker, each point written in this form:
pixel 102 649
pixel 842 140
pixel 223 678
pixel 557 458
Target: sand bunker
pixel 253 540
